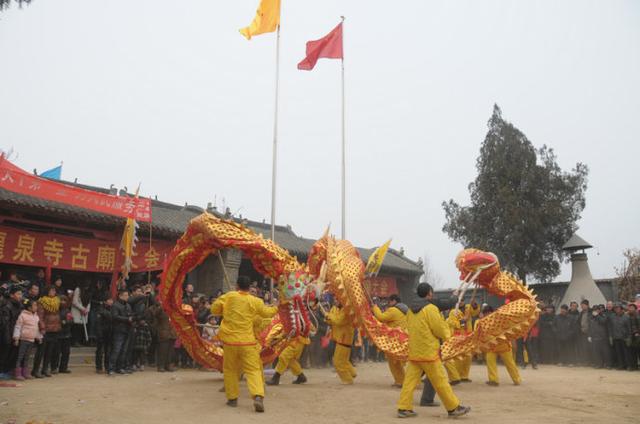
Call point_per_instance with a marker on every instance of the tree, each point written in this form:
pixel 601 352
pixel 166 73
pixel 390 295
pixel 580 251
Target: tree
pixel 523 206
pixel 629 275
pixel 4 4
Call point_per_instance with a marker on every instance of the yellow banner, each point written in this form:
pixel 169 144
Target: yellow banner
pixel 375 260
pixel 267 19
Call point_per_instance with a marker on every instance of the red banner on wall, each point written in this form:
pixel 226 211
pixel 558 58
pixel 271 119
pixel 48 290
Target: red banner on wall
pixel 14 179
pixel 381 286
pixel 74 253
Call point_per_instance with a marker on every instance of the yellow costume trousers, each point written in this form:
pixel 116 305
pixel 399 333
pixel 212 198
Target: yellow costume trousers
pixel 436 375
pixel 290 358
pixel 452 371
pixel 238 360
pixel 343 366
pixel 397 369
pixel 464 366
pixel 509 363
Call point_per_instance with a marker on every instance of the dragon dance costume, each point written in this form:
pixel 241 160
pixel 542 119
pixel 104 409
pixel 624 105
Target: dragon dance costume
pixel 343 277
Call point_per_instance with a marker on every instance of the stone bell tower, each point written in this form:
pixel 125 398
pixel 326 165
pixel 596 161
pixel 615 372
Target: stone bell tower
pixel 582 285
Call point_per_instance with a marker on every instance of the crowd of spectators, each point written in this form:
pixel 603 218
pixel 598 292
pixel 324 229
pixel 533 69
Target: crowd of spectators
pixel 601 336
pixel 132 330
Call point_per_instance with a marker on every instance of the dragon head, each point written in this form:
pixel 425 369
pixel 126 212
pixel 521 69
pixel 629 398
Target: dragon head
pixel 294 285
pixel 295 290
pixel 477 265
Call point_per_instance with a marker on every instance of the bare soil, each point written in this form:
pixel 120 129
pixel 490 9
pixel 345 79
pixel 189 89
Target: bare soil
pixel 549 394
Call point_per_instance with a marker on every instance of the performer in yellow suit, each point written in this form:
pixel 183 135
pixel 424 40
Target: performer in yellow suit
pixel 241 350
pixel 394 316
pixel 452 365
pixel 464 317
pixel 506 354
pixel 290 359
pixel 426 327
pixel 452 372
pixel 342 334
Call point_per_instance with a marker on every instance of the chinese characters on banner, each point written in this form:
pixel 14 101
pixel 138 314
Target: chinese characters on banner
pixel 17 181
pixel 381 286
pixel 73 253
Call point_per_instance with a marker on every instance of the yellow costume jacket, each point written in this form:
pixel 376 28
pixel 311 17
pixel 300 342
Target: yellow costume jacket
pixel 393 316
pixel 341 329
pixel 426 328
pixel 239 310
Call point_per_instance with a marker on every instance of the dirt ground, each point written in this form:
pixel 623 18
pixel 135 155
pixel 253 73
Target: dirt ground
pixel 549 394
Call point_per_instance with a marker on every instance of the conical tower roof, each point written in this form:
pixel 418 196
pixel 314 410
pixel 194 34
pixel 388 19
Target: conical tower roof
pixel 576 243
pixel 582 285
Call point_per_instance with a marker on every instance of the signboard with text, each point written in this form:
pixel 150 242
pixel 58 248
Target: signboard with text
pixel 45 250
pixel 381 286
pixel 14 179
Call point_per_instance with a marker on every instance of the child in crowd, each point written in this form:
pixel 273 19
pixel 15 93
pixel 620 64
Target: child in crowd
pixel 25 334
pixel 210 329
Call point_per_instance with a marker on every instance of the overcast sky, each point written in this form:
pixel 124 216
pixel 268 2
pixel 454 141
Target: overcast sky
pixel 170 94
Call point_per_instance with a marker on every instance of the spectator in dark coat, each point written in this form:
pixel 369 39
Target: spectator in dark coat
pixel 9 313
pixel 64 337
pixel 122 319
pixel 187 294
pixel 104 337
pixel 166 337
pixel 547 336
pixel 599 338
pixel 620 333
pixel 584 351
pixel 574 313
pixel 608 312
pixel 32 293
pixel 99 296
pixel 141 336
pixel 634 331
pixel 40 280
pixel 57 283
pixel 565 335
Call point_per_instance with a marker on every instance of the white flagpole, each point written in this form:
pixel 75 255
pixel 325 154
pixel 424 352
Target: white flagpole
pixel 275 141
pixel 275 147
pixel 343 143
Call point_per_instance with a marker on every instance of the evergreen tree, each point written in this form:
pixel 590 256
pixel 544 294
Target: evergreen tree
pixel 4 4
pixel 523 206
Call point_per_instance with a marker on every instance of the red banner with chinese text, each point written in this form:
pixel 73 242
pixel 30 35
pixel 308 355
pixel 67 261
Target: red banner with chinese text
pixel 73 253
pixel 14 179
pixel 381 286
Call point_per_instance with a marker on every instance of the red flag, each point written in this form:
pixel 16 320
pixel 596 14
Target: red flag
pixel 329 46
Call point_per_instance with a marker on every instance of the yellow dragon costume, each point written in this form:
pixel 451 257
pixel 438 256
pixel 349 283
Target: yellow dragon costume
pixel 339 264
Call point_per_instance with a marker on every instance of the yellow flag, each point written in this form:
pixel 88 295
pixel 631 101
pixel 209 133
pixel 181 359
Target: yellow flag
pixel 375 260
pixel 128 243
pixel 267 19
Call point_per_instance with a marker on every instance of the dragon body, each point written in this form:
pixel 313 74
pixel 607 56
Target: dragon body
pixel 335 266
pixel 510 321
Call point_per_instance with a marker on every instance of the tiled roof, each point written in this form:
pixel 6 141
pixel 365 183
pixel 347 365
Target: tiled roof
pixel 170 221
